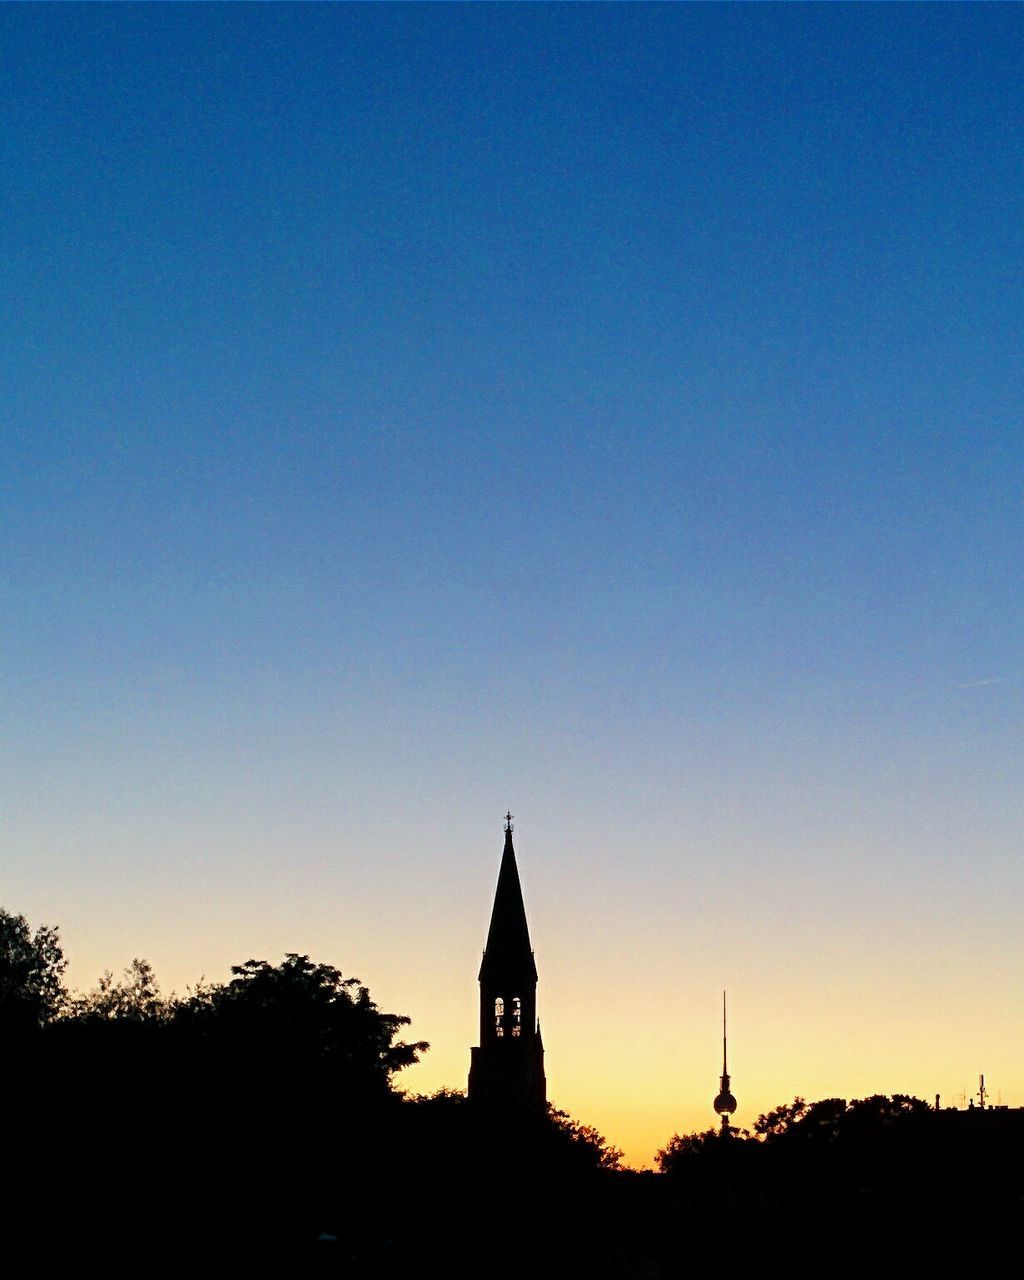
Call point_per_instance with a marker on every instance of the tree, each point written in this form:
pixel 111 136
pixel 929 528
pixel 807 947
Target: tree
pixel 684 1149
pixel 32 991
pixel 710 1159
pixel 819 1122
pixel 300 1020
pixel 441 1099
pixel 878 1111
pixel 775 1123
pixel 136 998
pixel 584 1141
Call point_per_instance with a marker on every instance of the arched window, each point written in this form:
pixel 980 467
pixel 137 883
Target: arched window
pixel 499 1015
pixel 499 1007
pixel 517 1015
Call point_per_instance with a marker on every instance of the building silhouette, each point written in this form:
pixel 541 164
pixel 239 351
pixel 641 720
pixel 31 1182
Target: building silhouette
pixel 725 1103
pixel 507 1067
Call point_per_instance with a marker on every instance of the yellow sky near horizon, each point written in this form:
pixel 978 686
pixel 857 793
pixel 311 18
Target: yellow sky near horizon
pixel 632 1048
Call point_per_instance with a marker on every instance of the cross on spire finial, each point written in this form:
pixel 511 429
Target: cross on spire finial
pixel 508 821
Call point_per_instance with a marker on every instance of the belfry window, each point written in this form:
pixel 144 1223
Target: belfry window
pixel 517 1015
pixel 499 1016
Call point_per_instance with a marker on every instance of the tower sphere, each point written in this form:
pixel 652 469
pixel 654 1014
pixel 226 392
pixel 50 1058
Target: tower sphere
pixel 725 1103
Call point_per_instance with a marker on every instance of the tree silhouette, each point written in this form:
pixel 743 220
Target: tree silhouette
pixel 588 1147
pixel 32 991
pixel 135 998
pixel 261 1115
pixel 300 1021
pixel 712 1161
pixel 774 1124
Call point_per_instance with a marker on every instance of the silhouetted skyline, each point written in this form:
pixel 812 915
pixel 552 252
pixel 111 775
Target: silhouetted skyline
pixel 610 411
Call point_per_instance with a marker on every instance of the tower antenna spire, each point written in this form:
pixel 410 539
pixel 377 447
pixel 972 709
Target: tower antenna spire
pixel 725 1103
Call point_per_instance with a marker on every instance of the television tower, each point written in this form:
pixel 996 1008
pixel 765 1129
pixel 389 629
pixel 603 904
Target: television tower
pixel 725 1103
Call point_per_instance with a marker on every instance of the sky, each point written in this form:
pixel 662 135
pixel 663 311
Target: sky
pixel 610 413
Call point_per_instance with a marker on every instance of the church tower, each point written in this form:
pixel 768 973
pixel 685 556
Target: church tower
pixel 507 1068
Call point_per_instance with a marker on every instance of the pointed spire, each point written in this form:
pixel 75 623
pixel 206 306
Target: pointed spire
pixel 725 1103
pixel 508 949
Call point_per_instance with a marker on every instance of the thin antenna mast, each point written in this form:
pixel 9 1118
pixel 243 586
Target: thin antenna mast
pixel 725 1103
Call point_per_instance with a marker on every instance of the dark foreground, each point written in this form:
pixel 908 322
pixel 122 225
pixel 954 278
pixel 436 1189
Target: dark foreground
pixel 225 1187
pixel 253 1129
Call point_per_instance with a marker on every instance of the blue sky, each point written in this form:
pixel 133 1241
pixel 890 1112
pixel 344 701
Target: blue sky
pixel 611 412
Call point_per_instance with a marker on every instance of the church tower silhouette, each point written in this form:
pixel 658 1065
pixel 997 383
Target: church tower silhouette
pixel 507 1068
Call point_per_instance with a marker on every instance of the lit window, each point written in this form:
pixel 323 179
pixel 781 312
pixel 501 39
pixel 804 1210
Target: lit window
pixel 499 1007
pixel 500 1031
pixel 517 1010
pixel 515 1031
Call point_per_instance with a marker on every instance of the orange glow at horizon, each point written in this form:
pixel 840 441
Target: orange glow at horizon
pixel 641 1065
pixel 631 1019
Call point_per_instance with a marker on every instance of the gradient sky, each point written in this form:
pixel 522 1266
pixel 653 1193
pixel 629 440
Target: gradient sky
pixel 613 413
